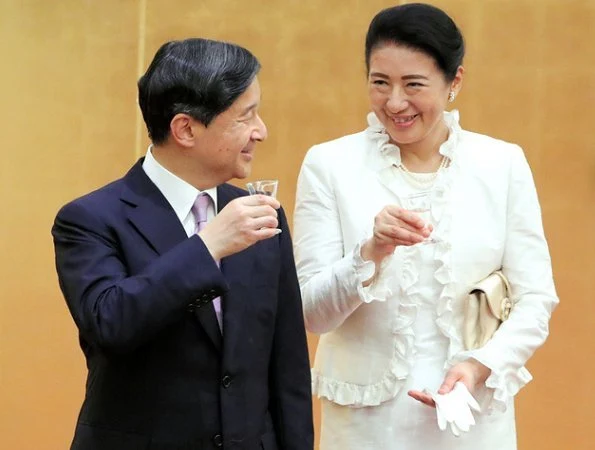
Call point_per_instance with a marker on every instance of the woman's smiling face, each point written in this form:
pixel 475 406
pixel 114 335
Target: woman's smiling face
pixel 409 93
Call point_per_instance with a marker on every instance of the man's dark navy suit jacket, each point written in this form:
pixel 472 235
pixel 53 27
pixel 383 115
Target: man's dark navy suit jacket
pixel 161 375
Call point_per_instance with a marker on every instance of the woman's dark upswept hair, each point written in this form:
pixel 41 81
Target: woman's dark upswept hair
pixel 422 27
pixel 198 77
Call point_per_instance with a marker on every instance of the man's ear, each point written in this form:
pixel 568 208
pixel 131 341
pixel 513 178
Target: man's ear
pixel 185 130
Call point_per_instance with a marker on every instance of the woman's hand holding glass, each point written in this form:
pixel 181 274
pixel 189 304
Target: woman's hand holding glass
pixel 421 204
pixel 394 226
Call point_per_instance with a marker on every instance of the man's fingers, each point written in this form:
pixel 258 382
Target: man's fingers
pixel 264 222
pixel 261 211
pixel 256 200
pixel 266 233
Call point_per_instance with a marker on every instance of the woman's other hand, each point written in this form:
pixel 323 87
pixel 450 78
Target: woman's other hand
pixel 470 372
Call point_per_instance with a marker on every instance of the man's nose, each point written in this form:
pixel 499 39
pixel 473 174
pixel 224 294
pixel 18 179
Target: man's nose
pixel 261 132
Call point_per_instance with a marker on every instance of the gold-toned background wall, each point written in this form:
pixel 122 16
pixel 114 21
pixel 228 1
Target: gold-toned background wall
pixel 70 123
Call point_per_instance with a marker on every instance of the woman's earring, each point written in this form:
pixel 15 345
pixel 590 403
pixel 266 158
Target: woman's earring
pixel 451 96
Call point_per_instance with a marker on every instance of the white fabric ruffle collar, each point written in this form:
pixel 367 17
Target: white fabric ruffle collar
pixel 391 154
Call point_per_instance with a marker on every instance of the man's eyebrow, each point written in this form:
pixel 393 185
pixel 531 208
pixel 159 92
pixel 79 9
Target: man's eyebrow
pixel 249 108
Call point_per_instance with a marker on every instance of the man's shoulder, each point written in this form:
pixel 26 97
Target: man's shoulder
pixel 97 201
pixel 132 185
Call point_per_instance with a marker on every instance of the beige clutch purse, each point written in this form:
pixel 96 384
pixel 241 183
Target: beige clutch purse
pixel 487 306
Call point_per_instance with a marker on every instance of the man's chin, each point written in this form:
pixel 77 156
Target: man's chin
pixel 243 173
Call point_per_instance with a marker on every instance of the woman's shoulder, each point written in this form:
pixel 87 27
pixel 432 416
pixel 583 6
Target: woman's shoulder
pixel 474 139
pixel 487 150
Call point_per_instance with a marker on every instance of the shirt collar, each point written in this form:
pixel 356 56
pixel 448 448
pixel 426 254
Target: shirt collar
pixel 180 194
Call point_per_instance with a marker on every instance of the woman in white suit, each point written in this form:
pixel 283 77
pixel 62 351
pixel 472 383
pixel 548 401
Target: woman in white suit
pixel 387 301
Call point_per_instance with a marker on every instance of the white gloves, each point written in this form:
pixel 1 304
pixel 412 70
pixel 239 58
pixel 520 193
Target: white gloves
pixel 454 409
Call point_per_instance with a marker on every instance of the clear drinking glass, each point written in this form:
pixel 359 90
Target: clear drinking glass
pixel 264 187
pixel 420 204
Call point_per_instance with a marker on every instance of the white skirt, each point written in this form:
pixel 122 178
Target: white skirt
pixel 406 424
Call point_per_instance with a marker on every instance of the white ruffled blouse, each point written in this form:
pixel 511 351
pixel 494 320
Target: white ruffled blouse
pixel 486 217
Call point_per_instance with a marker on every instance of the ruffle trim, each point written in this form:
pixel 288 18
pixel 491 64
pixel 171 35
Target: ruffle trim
pixel 358 396
pixel 391 152
pixel 500 387
pixel 391 382
pixel 442 216
pixel 355 395
pixel 378 290
pixel 442 209
pixel 504 386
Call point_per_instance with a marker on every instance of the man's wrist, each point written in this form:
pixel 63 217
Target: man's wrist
pixel 211 247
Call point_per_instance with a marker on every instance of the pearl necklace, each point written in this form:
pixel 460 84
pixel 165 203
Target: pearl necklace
pixel 422 180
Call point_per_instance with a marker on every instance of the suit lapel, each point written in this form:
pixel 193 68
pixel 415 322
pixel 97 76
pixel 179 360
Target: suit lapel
pixel 154 218
pixel 150 213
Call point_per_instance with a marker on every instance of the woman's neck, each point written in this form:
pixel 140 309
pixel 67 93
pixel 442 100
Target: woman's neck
pixel 424 156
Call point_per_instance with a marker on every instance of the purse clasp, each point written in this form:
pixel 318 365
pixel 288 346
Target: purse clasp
pixel 506 308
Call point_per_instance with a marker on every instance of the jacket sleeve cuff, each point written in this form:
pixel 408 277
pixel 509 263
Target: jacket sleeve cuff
pixel 378 289
pixel 500 387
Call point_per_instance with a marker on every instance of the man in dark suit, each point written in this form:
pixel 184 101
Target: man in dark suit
pixel 184 288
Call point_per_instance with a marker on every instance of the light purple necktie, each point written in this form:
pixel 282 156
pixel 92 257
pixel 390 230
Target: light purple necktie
pixel 201 205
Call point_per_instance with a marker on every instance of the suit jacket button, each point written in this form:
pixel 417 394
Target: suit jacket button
pixel 191 307
pixel 226 381
pixel 218 440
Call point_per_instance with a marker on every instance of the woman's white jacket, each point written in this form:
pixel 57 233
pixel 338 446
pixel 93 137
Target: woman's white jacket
pixel 488 217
